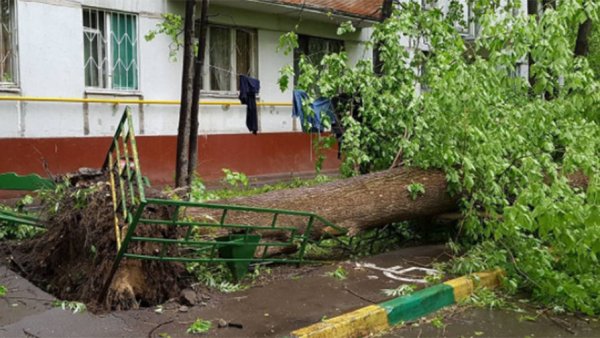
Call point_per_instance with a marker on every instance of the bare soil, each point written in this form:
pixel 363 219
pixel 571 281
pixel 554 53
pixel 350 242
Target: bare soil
pixel 73 258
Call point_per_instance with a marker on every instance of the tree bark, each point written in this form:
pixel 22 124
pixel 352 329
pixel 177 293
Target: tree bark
pixel 355 204
pixel 183 131
pixel 198 78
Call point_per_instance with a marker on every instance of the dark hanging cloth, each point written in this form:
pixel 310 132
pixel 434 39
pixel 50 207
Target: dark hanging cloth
pixel 249 88
pixel 344 104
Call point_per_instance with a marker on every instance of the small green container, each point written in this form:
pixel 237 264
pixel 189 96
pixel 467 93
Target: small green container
pixel 246 251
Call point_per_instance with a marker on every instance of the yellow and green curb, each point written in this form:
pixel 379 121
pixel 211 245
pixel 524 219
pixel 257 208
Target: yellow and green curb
pixel 378 318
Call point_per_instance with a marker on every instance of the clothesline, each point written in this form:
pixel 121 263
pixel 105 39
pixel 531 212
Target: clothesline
pixel 229 71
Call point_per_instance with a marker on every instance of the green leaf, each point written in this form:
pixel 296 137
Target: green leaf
pixel 199 326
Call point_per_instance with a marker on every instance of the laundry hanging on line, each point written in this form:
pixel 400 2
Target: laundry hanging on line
pixel 249 89
pixel 312 122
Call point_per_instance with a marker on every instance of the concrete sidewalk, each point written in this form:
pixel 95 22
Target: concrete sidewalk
pixel 276 309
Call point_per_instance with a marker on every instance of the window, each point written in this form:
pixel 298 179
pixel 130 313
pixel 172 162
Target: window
pixel 110 49
pixel 428 4
pixel 231 52
pixel 519 71
pixel 466 24
pixel 8 43
pixel 315 49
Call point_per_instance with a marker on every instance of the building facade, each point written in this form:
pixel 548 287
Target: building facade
pixel 68 68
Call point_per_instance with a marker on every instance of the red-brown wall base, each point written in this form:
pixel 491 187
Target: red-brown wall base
pixel 266 155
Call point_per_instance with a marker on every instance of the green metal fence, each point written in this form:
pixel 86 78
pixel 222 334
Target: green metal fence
pixel 31 182
pixel 13 218
pixel 221 239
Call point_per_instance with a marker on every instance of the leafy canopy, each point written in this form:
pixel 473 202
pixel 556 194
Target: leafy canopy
pixel 508 148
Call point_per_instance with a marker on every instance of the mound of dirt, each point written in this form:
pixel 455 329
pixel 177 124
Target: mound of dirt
pixel 73 258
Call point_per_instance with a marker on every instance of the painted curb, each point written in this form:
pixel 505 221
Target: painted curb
pixel 378 318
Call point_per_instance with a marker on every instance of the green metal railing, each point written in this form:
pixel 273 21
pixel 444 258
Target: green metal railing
pixel 31 182
pixel 207 240
pixel 242 231
pixel 13 218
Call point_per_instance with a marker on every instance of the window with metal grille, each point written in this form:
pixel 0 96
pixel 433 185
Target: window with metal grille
pixel 110 53
pixel 8 43
pixel 231 52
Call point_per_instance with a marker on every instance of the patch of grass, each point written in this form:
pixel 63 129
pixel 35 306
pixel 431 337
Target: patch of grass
pixel 199 326
pixel 3 290
pixel 239 187
pixel 235 179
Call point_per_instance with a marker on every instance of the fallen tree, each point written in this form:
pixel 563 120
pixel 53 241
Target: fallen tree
pixel 356 203
pixel 72 259
pixel 363 202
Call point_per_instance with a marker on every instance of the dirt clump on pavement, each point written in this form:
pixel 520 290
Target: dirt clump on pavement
pixel 73 258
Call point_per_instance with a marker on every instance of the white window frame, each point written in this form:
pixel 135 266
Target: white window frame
pixel 469 32
pixel 107 65
pixel 14 84
pixel 232 62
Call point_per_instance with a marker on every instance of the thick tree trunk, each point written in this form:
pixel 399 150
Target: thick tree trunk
pixel 355 204
pixel 193 155
pixel 183 132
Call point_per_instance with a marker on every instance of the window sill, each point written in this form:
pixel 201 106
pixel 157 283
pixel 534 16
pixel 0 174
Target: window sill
pixel 218 94
pixel 10 89
pixel 112 92
pixel 209 94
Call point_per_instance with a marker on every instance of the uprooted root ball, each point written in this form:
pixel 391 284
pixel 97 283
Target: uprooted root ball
pixel 73 258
